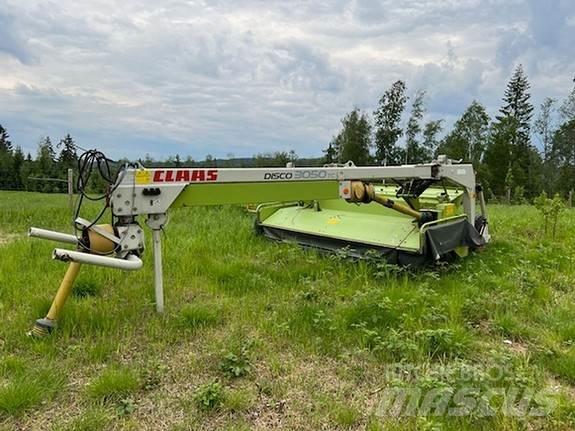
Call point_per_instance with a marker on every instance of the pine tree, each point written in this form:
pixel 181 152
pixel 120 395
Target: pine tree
pixel 387 120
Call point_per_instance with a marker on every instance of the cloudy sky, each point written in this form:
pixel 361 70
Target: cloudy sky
pixel 246 76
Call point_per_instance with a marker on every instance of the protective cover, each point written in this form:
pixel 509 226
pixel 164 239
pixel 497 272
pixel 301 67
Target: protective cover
pixel 446 237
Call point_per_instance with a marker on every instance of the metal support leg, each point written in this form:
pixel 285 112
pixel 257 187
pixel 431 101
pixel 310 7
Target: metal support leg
pixel 156 222
pixel 158 279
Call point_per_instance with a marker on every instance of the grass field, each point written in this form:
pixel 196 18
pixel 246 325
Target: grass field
pixel 259 335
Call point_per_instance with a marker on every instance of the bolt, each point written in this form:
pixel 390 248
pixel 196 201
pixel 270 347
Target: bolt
pixel 125 245
pixel 132 236
pixel 119 195
pixel 120 209
pixel 127 203
pixel 139 231
pixel 134 209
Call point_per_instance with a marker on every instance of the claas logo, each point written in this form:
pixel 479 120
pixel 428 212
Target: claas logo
pixel 184 175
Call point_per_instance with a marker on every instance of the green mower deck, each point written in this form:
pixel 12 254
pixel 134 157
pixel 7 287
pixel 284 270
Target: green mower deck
pixel 362 230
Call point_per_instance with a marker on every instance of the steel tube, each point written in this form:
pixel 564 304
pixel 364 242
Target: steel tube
pixel 52 235
pixel 130 263
pixel 158 278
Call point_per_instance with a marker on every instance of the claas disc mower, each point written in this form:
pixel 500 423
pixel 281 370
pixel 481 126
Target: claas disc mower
pixel 409 214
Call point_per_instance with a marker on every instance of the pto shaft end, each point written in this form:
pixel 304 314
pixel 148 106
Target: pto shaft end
pixel 42 328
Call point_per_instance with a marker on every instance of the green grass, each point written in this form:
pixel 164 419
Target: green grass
pixel 197 316
pixel 322 333
pixel 24 386
pixel 94 419
pixel 113 385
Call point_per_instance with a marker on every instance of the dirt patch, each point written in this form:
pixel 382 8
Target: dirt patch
pixel 516 347
pixel 6 238
pixel 558 387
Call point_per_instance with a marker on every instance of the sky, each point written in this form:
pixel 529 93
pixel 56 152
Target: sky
pixel 240 77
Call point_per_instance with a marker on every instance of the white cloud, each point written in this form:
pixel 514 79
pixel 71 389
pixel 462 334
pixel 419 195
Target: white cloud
pixel 246 76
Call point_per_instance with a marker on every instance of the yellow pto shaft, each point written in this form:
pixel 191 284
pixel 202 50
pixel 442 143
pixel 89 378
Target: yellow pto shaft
pixel 365 193
pixel 44 326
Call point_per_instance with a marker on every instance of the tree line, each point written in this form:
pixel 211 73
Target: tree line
pixel 22 172
pixel 48 170
pixel 503 149
pixel 517 154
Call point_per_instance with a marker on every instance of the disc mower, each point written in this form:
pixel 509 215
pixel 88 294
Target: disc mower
pixel 409 214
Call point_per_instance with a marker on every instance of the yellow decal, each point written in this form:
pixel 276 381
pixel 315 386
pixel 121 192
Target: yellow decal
pixel 449 210
pixel 333 220
pixel 143 176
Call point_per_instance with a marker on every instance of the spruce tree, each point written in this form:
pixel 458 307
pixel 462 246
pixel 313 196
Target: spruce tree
pixel 5 143
pixel 8 177
pixel 517 105
pixel 510 146
pixel 68 157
